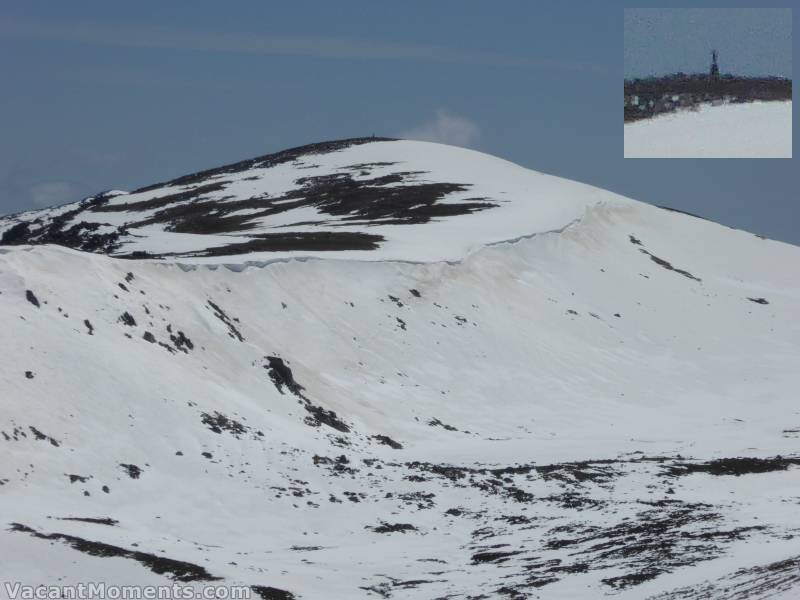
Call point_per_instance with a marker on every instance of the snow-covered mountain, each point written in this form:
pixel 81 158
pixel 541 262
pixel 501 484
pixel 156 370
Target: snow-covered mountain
pixel 748 130
pixel 359 198
pixel 375 368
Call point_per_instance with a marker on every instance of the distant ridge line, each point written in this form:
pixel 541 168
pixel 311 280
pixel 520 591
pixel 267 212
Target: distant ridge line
pixel 267 160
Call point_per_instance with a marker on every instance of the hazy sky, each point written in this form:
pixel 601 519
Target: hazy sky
pixel 750 41
pixel 98 95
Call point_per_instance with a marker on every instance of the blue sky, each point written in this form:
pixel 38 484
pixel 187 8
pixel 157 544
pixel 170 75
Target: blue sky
pixel 100 95
pixel 750 41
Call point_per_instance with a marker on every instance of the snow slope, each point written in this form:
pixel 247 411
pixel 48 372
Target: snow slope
pixel 606 406
pixel 359 198
pixel 751 130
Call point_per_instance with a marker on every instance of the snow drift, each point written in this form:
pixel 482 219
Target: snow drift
pixel 551 392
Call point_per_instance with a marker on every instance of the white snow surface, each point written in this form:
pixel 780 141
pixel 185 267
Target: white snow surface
pixel 749 130
pixel 559 399
pixel 526 202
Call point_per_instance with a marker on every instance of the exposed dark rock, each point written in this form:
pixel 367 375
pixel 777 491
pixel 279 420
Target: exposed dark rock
pixel 660 261
pixel 220 314
pixel 437 423
pixel 41 436
pixel 386 440
pixel 421 500
pixel 281 375
pixel 493 557
pixel 81 236
pixel 16 234
pixel 450 472
pixel 314 241
pixel 159 201
pixel 599 471
pixel 167 347
pixel 733 466
pixel 182 342
pixel 266 161
pixel 393 528
pixel 136 254
pixel 658 540
pixel 31 297
pixel 383 198
pixel 624 581
pixel 95 520
pixel 174 569
pixel 270 593
pixel 337 466
pixel 351 195
pixel 322 416
pixel 663 263
pixel 750 583
pixel 694 89
pixel 132 470
pixel 219 423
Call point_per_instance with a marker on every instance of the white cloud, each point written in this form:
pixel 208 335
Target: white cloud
pixel 52 193
pixel 446 128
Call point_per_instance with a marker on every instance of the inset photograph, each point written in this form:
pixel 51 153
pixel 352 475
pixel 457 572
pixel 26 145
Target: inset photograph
pixel 708 83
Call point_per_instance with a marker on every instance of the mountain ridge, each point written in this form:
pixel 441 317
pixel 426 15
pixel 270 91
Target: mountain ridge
pixel 605 406
pixel 361 196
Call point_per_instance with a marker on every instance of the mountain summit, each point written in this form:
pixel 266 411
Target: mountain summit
pixel 507 385
pixel 365 198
